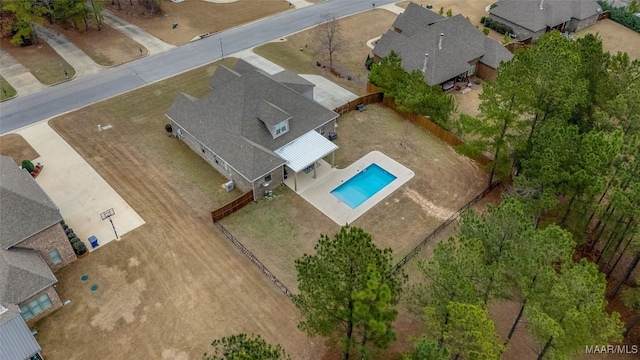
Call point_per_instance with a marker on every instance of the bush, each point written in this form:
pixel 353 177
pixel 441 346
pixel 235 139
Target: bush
pixel 486 31
pixel 482 20
pixel 497 26
pixel 369 62
pixel 65 227
pixel 79 248
pixel 622 16
pixel 168 128
pixel 28 165
pixel 74 240
pixel 71 235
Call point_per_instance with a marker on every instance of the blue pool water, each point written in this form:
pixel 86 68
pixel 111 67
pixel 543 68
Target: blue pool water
pixel 363 185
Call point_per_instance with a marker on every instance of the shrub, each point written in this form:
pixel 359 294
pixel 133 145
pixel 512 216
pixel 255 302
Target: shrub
pixel 369 62
pixel 168 128
pixel 441 10
pixel 79 248
pixel 65 227
pixel 493 5
pixel 486 31
pixel 482 20
pixel 449 13
pixel 71 235
pixel 67 230
pixel 497 26
pixel 28 165
pixel 622 16
pixel 74 240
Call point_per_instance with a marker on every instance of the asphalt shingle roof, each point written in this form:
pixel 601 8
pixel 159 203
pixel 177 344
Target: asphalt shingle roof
pixel 25 209
pixel 462 43
pixel 227 120
pixel 527 13
pixel 23 273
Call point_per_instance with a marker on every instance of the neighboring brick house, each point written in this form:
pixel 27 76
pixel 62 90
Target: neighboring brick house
pixel 32 243
pixel 442 48
pixel 530 19
pixel 255 128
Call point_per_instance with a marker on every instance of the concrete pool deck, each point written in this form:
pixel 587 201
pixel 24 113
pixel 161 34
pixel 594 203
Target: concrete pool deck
pixel 318 192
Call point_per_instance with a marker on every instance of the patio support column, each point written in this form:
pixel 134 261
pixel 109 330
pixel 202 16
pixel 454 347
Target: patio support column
pixel 295 181
pixel 333 159
pixel 315 165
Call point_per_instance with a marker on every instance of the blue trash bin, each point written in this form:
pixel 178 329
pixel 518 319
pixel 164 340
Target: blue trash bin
pixel 94 241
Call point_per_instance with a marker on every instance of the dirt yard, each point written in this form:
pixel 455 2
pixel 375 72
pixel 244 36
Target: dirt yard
pixel 298 53
pixel 473 9
pixel 171 286
pixel 107 47
pixel 196 17
pixel 41 61
pixel 16 147
pixel 615 37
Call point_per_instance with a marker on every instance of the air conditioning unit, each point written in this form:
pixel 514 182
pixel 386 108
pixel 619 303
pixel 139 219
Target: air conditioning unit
pixel 229 186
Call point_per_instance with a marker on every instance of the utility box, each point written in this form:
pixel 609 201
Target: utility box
pixel 229 186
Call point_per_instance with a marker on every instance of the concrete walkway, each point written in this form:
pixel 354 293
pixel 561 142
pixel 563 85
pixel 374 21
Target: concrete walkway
pixel 77 189
pixel 300 3
pixel 393 8
pixel 258 61
pixel 80 61
pixel 18 76
pixel 152 43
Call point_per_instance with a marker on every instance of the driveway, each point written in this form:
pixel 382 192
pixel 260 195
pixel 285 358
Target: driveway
pixel 329 93
pixel 152 43
pixel 18 76
pixel 77 189
pixel 80 61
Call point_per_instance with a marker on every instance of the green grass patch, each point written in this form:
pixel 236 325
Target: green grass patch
pixel 7 90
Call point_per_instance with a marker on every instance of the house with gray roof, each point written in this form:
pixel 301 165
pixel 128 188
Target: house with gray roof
pixel 530 19
pixel 442 48
pixel 254 128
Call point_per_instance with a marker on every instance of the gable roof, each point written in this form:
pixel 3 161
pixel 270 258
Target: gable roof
pixel 23 273
pixel 227 120
pixel 26 209
pixel 527 13
pixel 462 43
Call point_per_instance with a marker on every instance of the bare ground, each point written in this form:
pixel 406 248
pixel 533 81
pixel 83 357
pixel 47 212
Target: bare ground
pixel 107 47
pixel 171 286
pixel 16 147
pixel 196 17
pixel 615 37
pixel 41 61
pixel 300 54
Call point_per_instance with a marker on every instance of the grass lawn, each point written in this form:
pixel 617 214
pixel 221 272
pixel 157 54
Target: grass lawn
pixel 7 90
pixel 171 286
pixel 41 61
pixel 17 148
pixel 299 54
pixel 195 17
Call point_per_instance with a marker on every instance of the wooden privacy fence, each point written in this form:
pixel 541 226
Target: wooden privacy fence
pixel 365 100
pixel 444 225
pixel 232 207
pixel 253 259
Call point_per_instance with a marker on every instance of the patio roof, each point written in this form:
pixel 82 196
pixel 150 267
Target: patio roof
pixel 306 150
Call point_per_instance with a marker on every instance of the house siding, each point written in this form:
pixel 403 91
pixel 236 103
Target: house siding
pixel 56 303
pixel 277 178
pixel 485 72
pixel 210 157
pixel 576 25
pixel 52 238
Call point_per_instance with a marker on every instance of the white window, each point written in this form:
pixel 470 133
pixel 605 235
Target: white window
pixel 322 131
pixel 281 128
pixel 55 257
pixel 35 307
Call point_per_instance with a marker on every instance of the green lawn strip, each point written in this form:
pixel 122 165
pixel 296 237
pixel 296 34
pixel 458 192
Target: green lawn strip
pixel 7 90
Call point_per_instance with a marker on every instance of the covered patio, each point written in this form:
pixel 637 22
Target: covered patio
pixel 304 160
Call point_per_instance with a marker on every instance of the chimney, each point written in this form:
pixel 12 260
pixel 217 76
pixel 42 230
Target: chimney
pixel 440 41
pixel 541 4
pixel 424 67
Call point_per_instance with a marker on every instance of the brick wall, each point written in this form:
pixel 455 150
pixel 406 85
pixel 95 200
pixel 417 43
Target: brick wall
pixel 55 301
pixel 576 25
pixel 52 238
pixel 485 72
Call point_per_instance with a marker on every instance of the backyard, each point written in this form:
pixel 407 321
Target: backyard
pixel 615 37
pixel 171 286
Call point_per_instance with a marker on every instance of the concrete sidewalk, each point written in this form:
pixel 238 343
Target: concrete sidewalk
pixel 18 76
pixel 258 61
pixel 153 44
pixel 80 61
pixel 77 189
pixel 328 93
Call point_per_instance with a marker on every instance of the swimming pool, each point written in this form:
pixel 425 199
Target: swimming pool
pixel 363 185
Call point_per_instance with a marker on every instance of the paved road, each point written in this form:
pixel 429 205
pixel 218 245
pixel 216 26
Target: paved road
pixel 53 101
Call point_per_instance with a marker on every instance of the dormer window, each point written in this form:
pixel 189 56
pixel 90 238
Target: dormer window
pixel 281 128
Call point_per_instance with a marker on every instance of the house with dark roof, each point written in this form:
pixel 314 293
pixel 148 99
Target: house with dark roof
pixel 443 48
pixel 32 243
pixel 32 246
pixel 256 129
pixel 530 19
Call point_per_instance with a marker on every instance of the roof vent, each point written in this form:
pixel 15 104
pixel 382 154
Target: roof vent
pixel 424 67
pixel 440 41
pixel 541 4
